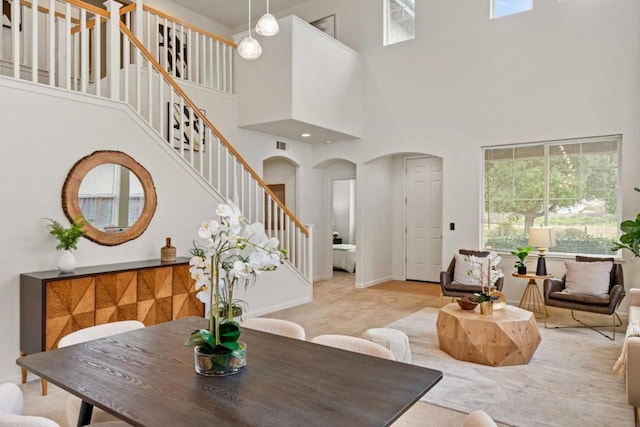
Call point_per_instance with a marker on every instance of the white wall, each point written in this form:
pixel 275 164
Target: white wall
pixel 374 222
pixel 304 79
pixel 47 131
pixel 564 70
pixel 327 81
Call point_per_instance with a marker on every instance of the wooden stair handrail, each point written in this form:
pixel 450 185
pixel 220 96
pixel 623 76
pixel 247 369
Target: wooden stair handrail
pixel 44 10
pixel 132 7
pixel 187 25
pixel 78 3
pixel 91 8
pixel 129 8
pixel 206 121
pixel 90 24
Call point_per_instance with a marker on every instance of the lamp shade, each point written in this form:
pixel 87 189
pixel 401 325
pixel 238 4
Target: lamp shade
pixel 249 48
pixel 542 237
pixel 267 25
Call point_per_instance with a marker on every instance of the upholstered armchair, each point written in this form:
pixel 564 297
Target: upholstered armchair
pixel 457 288
pixel 606 302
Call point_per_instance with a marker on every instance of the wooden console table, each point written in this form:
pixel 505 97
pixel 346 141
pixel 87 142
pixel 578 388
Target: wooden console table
pixel 54 304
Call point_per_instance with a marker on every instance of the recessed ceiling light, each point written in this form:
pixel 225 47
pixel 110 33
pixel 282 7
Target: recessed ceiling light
pixel 305 135
pixel 328 141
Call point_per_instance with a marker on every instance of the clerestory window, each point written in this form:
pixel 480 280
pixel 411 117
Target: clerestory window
pixel 500 8
pixel 399 21
pixel 570 186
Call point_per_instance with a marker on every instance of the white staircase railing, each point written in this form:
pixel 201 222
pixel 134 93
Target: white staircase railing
pixel 57 42
pixel 187 52
pixel 148 88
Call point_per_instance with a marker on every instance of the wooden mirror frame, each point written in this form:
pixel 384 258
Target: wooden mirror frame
pixel 71 203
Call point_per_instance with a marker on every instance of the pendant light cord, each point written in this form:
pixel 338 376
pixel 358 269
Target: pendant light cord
pixel 249 18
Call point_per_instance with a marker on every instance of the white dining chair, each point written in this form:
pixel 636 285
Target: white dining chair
pixel 394 340
pixel 88 334
pixel 11 407
pixel 275 326
pixel 358 345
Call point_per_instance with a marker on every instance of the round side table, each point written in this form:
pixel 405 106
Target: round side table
pixel 532 298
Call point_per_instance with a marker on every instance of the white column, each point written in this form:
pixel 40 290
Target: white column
pixel 113 48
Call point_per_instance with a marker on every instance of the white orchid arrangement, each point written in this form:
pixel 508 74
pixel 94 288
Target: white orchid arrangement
pixel 232 253
pixel 485 270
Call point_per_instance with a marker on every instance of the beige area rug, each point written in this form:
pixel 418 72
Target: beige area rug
pixel 568 382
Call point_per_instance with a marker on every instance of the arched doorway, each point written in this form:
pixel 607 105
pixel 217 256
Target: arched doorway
pixel 281 175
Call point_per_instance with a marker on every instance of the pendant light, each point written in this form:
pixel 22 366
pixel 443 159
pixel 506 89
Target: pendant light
pixel 249 48
pixel 267 25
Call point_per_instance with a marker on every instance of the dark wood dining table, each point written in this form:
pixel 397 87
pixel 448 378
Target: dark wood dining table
pixel 146 378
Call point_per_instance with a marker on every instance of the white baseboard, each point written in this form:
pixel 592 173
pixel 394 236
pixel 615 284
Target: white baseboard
pixel 284 306
pixel 373 282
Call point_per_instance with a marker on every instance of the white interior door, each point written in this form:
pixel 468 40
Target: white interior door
pixel 423 212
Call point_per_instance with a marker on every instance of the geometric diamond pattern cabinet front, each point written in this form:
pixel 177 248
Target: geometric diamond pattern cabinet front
pixel 154 295
pixel 185 302
pixel 53 305
pixel 116 296
pixel 70 306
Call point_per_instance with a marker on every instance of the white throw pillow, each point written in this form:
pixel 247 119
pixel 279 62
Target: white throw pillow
pixel 467 273
pixel 589 278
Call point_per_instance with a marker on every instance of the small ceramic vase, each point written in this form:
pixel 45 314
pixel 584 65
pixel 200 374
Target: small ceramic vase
pixel 66 261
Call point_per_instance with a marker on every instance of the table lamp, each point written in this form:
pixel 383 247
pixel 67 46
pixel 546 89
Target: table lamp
pixel 542 238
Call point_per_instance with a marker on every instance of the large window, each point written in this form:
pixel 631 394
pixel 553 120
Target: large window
pixel 571 186
pixel 500 8
pixel 399 20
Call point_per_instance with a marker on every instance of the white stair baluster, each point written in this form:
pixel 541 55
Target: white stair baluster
pixel 51 42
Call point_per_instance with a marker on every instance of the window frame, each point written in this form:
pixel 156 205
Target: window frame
pixel 388 21
pixel 546 195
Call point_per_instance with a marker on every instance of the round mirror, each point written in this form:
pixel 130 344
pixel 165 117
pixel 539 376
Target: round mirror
pixel 114 194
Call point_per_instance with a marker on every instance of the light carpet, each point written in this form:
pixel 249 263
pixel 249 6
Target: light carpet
pixel 568 382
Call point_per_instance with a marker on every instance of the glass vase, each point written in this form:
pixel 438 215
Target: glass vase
pixel 219 365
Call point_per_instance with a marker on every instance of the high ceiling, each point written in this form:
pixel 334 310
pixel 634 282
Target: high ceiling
pixel 232 13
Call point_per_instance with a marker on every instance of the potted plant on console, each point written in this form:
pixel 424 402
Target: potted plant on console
pixel 522 254
pixel 67 241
